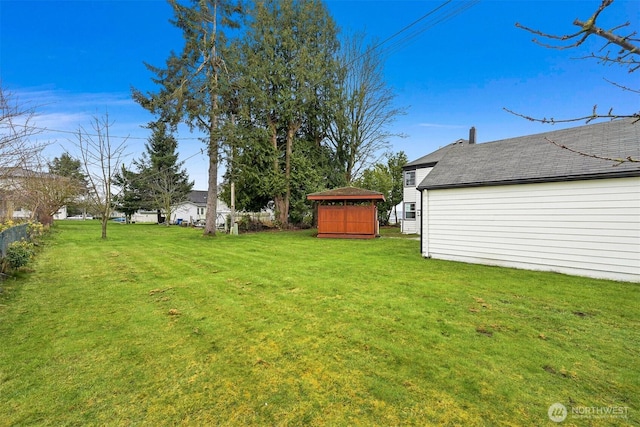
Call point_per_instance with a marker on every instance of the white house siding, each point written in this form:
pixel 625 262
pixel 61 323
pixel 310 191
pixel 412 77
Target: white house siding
pixel 190 212
pixel 589 228
pixel 412 195
pixel 145 217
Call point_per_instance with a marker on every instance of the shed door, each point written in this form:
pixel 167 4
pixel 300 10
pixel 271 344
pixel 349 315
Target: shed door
pixel 347 219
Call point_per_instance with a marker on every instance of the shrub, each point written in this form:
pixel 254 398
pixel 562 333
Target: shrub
pixel 35 230
pixel 6 225
pixel 19 254
pixel 248 223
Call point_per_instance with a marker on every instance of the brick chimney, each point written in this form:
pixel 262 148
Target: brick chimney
pixel 472 135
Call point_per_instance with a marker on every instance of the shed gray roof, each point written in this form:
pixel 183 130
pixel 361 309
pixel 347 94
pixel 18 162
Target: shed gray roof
pixel 533 158
pixel 352 193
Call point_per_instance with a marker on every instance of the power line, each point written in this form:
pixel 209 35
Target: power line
pixel 397 45
pixel 75 132
pixel 405 28
pixel 445 16
pixel 404 41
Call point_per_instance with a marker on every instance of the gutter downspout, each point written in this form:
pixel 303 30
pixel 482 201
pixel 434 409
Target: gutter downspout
pixel 424 227
pixel 421 216
pixel 421 221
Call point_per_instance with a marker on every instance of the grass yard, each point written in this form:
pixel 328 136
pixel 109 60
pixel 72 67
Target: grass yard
pixel 160 326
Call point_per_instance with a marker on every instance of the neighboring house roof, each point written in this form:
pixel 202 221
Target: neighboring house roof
pixel 432 158
pixel 197 197
pixel 346 193
pixel 533 158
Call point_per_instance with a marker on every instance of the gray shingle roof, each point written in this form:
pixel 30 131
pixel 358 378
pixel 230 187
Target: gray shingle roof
pixel 533 158
pixel 198 197
pixel 431 158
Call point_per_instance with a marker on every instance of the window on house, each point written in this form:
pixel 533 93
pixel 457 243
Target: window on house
pixel 410 178
pixel 409 211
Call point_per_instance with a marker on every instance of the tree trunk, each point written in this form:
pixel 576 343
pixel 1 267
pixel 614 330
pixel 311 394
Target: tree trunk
pixel 167 213
pixel 282 209
pixel 287 175
pixel 212 192
pixel 104 226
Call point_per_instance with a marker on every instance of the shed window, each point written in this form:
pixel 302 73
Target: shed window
pixel 410 178
pixel 409 211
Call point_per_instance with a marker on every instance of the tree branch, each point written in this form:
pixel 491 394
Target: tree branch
pixel 588 28
pixel 593 116
pixel 618 161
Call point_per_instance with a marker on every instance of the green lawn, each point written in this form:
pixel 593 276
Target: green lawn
pixel 160 326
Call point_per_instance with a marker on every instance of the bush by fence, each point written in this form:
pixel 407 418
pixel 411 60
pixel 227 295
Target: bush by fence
pixel 10 235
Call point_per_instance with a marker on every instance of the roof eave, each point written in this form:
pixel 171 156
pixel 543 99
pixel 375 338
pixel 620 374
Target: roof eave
pixel 356 197
pixel 419 165
pixel 625 174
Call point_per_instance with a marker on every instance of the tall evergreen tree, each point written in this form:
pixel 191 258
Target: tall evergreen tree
pixel 131 195
pixel 192 81
pixel 289 76
pixel 69 167
pixel 161 176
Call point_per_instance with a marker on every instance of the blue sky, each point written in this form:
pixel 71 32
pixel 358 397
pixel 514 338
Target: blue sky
pixel 74 60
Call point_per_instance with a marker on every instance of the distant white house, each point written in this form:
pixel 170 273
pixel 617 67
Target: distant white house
pixel 528 203
pixel 144 217
pixel 396 219
pixel 11 205
pixel 25 214
pixel 194 210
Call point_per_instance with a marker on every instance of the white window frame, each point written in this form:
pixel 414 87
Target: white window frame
pixel 410 178
pixel 407 211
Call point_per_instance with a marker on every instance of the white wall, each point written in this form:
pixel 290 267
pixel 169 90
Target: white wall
pixel 411 194
pixel 61 213
pixel 144 217
pixel 589 228
pixel 392 218
pixel 188 212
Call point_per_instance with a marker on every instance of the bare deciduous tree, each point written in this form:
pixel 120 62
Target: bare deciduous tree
pixel 101 160
pixel 359 131
pixel 625 43
pixel 166 191
pixel 627 55
pixel 17 132
pixel 43 193
pixel 18 146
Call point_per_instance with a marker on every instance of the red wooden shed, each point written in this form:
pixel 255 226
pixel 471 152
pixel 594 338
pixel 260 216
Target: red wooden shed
pixel 347 213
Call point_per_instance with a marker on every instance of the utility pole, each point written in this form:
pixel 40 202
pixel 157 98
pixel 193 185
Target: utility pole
pixel 233 227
